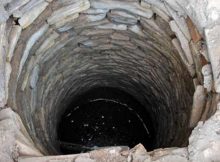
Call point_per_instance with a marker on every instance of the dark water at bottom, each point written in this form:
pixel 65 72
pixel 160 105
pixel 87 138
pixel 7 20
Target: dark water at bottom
pixel 104 117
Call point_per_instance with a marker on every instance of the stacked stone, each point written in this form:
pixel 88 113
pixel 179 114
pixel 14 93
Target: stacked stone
pixel 53 50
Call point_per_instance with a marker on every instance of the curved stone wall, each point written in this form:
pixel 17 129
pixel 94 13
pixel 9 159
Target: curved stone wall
pixel 160 52
pixel 122 49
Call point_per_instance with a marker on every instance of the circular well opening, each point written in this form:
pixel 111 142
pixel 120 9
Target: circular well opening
pixel 103 117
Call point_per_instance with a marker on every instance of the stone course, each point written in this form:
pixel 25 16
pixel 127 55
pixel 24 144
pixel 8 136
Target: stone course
pixel 168 48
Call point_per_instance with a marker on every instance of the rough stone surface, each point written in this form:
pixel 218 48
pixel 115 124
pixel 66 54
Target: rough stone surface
pixel 204 143
pixel 198 105
pixel 31 15
pixel 154 44
pixel 213 41
pixel 2 64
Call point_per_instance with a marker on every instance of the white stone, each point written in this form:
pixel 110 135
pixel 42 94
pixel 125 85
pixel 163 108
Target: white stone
pixel 132 7
pixel 159 4
pixel 122 17
pixel 172 158
pixel 208 82
pixel 181 22
pixel 15 5
pixel 82 22
pixel 204 52
pixel 26 8
pixel 137 30
pixel 204 142
pixel 34 76
pixel 150 23
pixel 30 44
pixel 84 159
pixel 113 26
pixel 161 13
pixel 97 17
pixel 29 17
pixel 213 44
pixel 25 150
pixel 49 1
pixel 183 41
pixel 145 4
pixel 206 70
pixel 67 19
pixel 198 105
pixel 175 5
pixel 203 13
pixel 2 64
pixel 207 74
pixel 95 11
pixel 31 62
pixel 177 45
pixel 13 39
pixel 63 12
pixel 3 14
pixel 48 43
pixel 8 70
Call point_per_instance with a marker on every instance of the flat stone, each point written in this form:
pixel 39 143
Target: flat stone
pixel 2 64
pixel 97 17
pixel 161 13
pixel 198 105
pixel 13 39
pixel 15 5
pixel 177 45
pixel 25 150
pixel 113 26
pixel 8 70
pixel 4 14
pixel 172 158
pixel 159 4
pixel 183 41
pixel 30 44
pixel 204 14
pixel 63 12
pixel 83 22
pixel 175 6
pixel 132 7
pixel 84 159
pixel 207 77
pixel 137 30
pixel 213 44
pixel 151 24
pixel 123 17
pixel 31 15
pixel 180 22
pixel 60 158
pixel 95 11
pixel 204 142
pixel 26 8
pixel 48 43
pixel 34 76
pixel 139 153
pixel 66 20
pixel 92 32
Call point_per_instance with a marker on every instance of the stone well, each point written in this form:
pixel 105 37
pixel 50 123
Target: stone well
pixel 164 55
